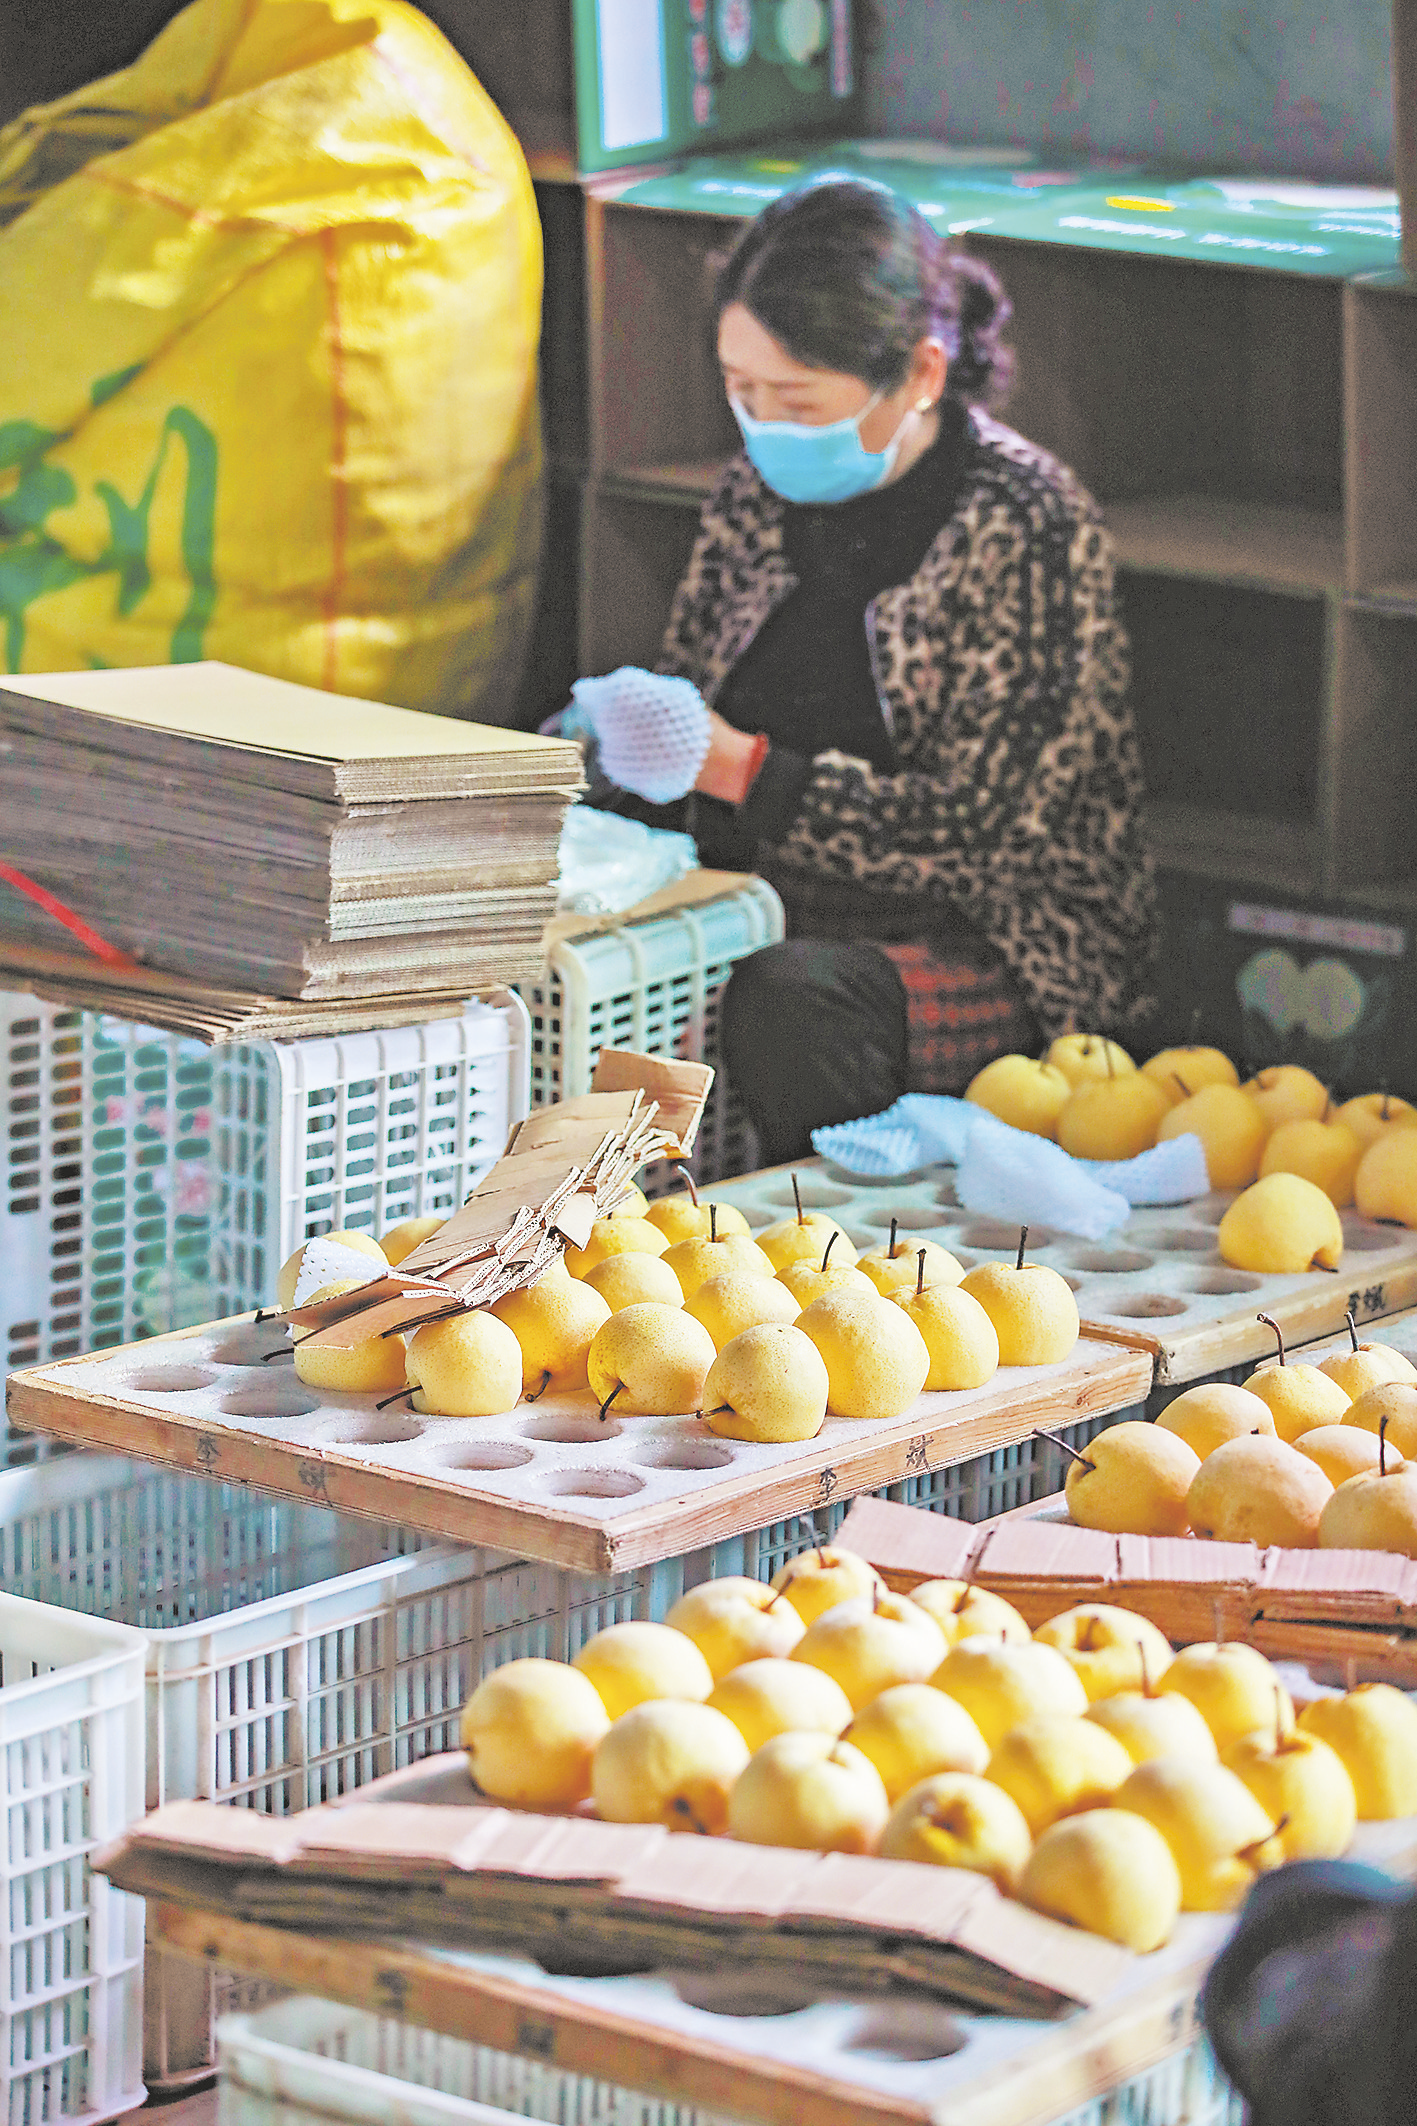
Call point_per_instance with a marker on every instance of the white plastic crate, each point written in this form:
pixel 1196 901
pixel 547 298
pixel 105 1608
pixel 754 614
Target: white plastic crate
pixel 653 986
pixel 291 1653
pixel 71 1747
pixel 152 1182
pixel 311 2063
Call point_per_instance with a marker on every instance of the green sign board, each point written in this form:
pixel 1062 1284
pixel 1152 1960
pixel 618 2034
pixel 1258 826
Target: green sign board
pixel 656 79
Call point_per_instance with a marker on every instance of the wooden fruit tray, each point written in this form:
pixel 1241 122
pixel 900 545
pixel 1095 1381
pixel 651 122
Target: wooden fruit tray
pixel 548 1481
pixel 748 2043
pixel 1158 1282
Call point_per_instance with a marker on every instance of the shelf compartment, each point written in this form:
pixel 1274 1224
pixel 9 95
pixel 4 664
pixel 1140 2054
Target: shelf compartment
pixel 1369 828
pixel 1217 539
pixel 656 390
pixel 1201 842
pixel 1380 345
pixel 636 550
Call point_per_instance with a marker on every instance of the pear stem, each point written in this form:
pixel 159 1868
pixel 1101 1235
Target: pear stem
pixel 797 1199
pixel 688 1180
pixel 717 1411
pixel 895 1228
pixel 1022 1244
pixel 713 1221
pixel 920 1274
pixel 1352 1329
pixel 826 1251
pixel 1182 1083
pixel 1382 1444
pixel 1039 1433
pixel 535 1395
pixel 400 1395
pixel 1107 1052
pixel 618 1389
pixel 1387 1102
pixel 1270 1322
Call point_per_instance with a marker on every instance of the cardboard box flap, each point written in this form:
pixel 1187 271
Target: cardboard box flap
pixel 1183 1561
pixel 892 1897
pixel 678 1089
pixel 902 1539
pixel 1080 1967
pixel 719 1875
pixel 1338 1573
pixel 200 1830
pixel 1045 1550
pixel 570 1849
pixel 406 1837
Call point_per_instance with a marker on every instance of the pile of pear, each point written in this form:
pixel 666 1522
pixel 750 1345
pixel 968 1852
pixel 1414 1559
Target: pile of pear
pixel 1088 1095
pixel 1303 1456
pixel 674 1308
pixel 1086 1769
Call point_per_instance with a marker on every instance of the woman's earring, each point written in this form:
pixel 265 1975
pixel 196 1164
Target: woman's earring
pixel 924 405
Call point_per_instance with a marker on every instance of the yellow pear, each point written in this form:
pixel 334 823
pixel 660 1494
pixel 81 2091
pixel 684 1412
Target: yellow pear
pixel 818 1579
pixel 1393 1406
pixel 966 1612
pixel 809 1791
pixel 875 1357
pixel 1085 1058
pixel 1107 1871
pixel 1385 1185
pixel 1280 1225
pixel 1324 1153
pixel 401 1240
pixel 1232 1687
pixel 895 1263
pixel 621 1233
pixel 1056 1765
pixel 357 1243
pixel 1259 1490
pixel 803 1237
pixel 1155 1724
pixel 960 1820
pixel 1220 1836
pixel 368 1367
pixel 1133 1479
pixel 1033 1310
pixel 1231 1129
pixel 742 1300
pixel 531 1730
pixel 668 1762
pixel 1303 1785
pixel 910 1732
pixel 771 1696
pixel 1365 1366
pixel 1371 1113
pixel 806 1280
pixel 1025 1094
pixel 554 1323
pixel 1342 1451
pixel 1113 1118
pixel 1215 1411
pixel 959 1336
pixel 770 1383
pixel 695 1262
pixel 634 1662
pixel 999 1683
pixel 1111 1649
pixel 1298 1397
pixel 650 1361
pixel 870 1643
pixel 694 1217
pixel 733 1621
pixel 630 1280
pixel 1183 1072
pixel 467 1366
pixel 1373 1729
pixel 631 1203
pixel 1374 1511
pixel 1287 1093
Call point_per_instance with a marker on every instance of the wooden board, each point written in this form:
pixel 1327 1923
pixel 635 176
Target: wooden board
pixel 915 2065
pixel 548 1482
pixel 1158 1282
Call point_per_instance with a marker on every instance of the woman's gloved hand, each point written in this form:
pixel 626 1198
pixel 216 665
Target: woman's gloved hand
pixel 651 734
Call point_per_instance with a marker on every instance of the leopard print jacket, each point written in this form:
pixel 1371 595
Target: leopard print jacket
pixel 1002 668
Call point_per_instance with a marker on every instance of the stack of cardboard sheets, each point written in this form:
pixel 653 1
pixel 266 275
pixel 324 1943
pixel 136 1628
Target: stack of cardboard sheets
pixel 252 836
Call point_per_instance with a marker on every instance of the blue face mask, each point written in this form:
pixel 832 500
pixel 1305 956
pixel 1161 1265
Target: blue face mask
pixel 805 464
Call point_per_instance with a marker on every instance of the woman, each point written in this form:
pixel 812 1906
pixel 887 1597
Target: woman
pixel 900 618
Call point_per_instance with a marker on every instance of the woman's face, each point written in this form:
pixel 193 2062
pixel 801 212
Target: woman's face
pixel 772 385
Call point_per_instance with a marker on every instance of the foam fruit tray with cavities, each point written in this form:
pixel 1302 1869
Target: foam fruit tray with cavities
pixel 1158 1281
pixel 550 1480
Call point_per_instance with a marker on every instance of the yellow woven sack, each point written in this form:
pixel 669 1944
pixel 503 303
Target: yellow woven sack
pixel 268 367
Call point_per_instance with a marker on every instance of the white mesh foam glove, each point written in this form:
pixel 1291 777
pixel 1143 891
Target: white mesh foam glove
pixel 652 733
